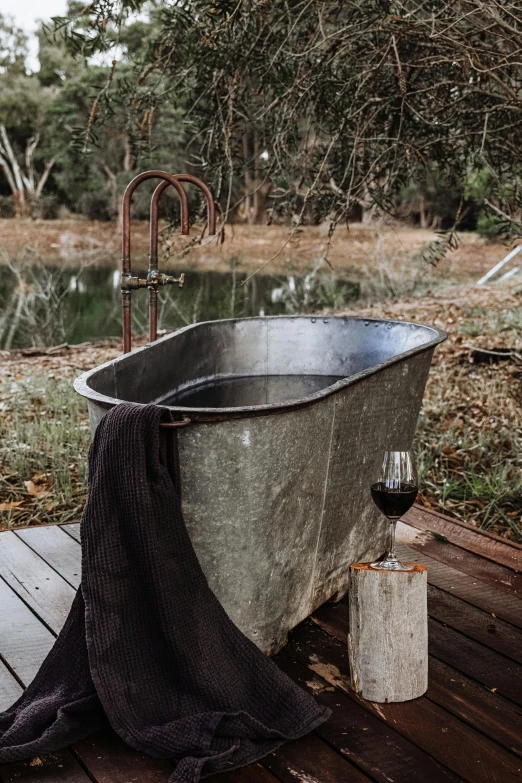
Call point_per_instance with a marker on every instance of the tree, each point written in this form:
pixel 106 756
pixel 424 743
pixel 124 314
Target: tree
pixel 23 106
pixel 347 101
pixel 101 163
pixel 26 185
pixel 57 134
pixel 13 47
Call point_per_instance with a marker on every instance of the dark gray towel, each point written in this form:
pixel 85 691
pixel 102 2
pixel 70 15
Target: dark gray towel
pixel 147 644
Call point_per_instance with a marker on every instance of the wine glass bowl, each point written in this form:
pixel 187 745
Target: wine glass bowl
pixel 394 491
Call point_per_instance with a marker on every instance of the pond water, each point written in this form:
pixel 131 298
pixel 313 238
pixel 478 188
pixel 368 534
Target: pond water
pixel 43 305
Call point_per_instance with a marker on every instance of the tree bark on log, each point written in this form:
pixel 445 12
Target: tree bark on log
pixel 388 638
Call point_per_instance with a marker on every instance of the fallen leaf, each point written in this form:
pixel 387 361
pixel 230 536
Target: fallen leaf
pixel 438 536
pixel 37 478
pixel 9 506
pixel 36 490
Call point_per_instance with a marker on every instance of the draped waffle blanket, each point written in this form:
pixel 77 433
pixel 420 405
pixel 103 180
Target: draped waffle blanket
pixel 147 645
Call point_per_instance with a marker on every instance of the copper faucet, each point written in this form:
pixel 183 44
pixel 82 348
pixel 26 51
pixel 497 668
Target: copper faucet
pixel 154 278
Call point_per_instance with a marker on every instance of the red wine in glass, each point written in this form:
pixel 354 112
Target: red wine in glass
pixel 393 502
pixel 394 492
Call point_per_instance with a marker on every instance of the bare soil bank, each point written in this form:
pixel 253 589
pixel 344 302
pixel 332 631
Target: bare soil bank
pixel 361 248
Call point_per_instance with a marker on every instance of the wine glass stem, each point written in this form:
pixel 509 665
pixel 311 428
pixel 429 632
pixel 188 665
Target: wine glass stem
pixel 391 549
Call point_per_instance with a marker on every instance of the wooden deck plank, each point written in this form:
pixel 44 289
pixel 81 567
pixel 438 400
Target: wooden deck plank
pixel 473 539
pixel 475 623
pixel 255 773
pixel 17 641
pixel 37 584
pixel 466 587
pixel 24 641
pixel 109 760
pixel 72 529
pixel 486 711
pixel 59 767
pixel 10 688
pixel 479 567
pixel 424 723
pixel 486 666
pixel 311 759
pixel 377 749
pixel 59 550
pixel 361 741
pixel 483 709
pixel 105 757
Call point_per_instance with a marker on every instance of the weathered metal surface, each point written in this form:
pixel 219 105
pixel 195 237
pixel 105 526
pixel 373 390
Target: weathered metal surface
pixel 276 496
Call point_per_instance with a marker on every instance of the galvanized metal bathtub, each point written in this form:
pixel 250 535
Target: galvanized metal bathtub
pixel 276 496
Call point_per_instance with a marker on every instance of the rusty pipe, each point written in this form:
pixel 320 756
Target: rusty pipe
pixel 211 207
pixel 128 283
pixel 153 241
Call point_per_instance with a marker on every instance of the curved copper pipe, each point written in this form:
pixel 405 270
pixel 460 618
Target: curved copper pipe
pixel 129 190
pixel 126 243
pixel 153 255
pixel 211 208
pixel 154 204
pixel 153 241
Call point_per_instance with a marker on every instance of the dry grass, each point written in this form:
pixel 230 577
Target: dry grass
pixel 469 436
pixel 468 441
pixel 44 434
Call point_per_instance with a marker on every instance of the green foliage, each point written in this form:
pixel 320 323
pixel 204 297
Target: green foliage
pixel 97 147
pixel 393 106
pixel 333 103
pixel 489 226
pixel 23 105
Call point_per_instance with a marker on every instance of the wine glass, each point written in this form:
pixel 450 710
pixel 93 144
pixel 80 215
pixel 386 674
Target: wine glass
pixel 394 491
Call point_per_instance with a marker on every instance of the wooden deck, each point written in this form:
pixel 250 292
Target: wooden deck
pixel 468 727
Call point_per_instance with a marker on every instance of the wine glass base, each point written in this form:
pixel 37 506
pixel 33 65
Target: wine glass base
pixel 390 565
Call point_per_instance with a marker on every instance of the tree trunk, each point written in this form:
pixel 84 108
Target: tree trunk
pixel 113 184
pixel 261 191
pixel 248 178
pixel 23 185
pixel 388 638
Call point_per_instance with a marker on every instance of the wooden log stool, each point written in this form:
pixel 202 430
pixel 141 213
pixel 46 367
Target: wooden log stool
pixel 388 637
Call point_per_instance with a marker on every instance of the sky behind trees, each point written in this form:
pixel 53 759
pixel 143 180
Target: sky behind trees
pixel 26 13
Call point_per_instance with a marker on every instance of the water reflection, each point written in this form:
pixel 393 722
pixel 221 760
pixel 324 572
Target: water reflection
pixel 43 305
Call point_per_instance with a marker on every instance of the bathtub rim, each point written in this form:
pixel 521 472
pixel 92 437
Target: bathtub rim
pixel 81 383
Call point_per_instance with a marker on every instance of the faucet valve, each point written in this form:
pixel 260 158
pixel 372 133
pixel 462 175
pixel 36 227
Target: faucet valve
pixel 155 279
pixel 131 283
